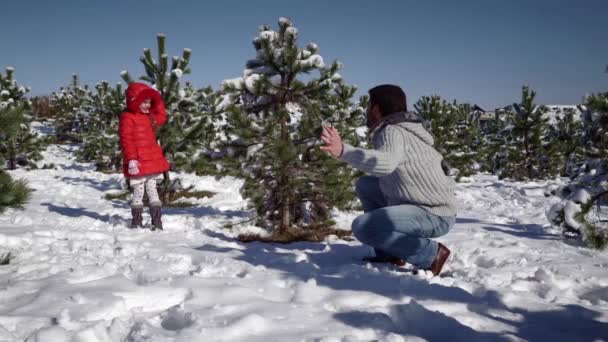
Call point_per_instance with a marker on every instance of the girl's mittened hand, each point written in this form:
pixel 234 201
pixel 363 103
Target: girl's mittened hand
pixel 133 167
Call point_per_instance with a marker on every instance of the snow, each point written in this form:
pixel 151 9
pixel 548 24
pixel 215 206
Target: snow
pixel 251 81
pixel 314 61
pixel 292 31
pixel 79 274
pixel 237 83
pixel 559 111
pixel 268 35
pixel 177 72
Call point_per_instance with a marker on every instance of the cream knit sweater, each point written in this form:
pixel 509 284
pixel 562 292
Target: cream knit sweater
pixel 408 166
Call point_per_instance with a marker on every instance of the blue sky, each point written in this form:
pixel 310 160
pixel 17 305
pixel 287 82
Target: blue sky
pixel 478 51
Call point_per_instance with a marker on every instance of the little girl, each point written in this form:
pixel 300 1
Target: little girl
pixel 143 159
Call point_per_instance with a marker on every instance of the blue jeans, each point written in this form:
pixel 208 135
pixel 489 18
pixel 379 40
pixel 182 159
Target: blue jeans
pixel 402 231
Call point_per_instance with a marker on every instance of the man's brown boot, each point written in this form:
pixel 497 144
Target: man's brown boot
pixel 442 256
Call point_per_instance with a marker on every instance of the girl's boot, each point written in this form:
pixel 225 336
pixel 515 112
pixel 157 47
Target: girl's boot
pixel 137 220
pixel 156 215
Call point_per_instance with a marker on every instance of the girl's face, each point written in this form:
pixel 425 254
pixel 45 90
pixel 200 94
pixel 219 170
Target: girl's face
pixel 144 107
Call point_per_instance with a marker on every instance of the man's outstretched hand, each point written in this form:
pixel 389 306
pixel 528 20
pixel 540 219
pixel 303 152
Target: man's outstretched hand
pixel 333 142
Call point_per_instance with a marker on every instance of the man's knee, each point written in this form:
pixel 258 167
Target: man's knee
pixel 360 229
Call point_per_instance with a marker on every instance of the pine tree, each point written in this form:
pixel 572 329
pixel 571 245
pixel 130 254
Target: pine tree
pixel 13 194
pixel 595 125
pixel 20 147
pixel 493 144
pixel 455 131
pixel 530 154
pixel 100 129
pixel 285 95
pixel 583 210
pixel 203 114
pixel 567 135
pixel 70 103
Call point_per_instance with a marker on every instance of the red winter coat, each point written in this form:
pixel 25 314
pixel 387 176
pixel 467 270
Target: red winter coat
pixel 136 130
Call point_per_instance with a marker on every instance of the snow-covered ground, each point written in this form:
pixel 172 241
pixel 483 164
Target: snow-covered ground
pixel 79 274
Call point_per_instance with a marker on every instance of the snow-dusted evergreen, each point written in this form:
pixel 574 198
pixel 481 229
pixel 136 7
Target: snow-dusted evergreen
pixel 455 129
pixel 529 153
pixel 99 132
pixel 566 134
pixel 19 146
pixel 283 98
pixel 70 104
pixel 584 206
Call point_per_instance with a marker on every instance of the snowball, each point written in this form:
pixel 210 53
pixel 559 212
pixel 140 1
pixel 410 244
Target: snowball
pixel 123 73
pixel 284 21
pixel 4 93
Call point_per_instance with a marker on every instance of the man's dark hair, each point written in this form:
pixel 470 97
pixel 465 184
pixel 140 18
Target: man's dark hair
pixel 390 98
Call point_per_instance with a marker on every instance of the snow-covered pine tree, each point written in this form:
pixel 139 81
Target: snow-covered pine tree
pixel 583 210
pixel 204 114
pixel 439 113
pixel 466 156
pixel 13 193
pixel 455 131
pixel 493 144
pixel 285 96
pixel 530 154
pixel 595 125
pixel 18 146
pixel 70 103
pixel 100 129
pixel 567 137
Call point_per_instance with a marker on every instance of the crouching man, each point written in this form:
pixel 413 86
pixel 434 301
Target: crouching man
pixel 407 198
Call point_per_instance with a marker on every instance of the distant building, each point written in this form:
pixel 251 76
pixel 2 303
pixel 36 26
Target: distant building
pixel 553 113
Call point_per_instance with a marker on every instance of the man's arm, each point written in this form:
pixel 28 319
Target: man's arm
pixel 382 161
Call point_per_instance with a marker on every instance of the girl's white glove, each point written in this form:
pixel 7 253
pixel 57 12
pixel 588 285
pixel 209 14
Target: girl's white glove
pixel 133 167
